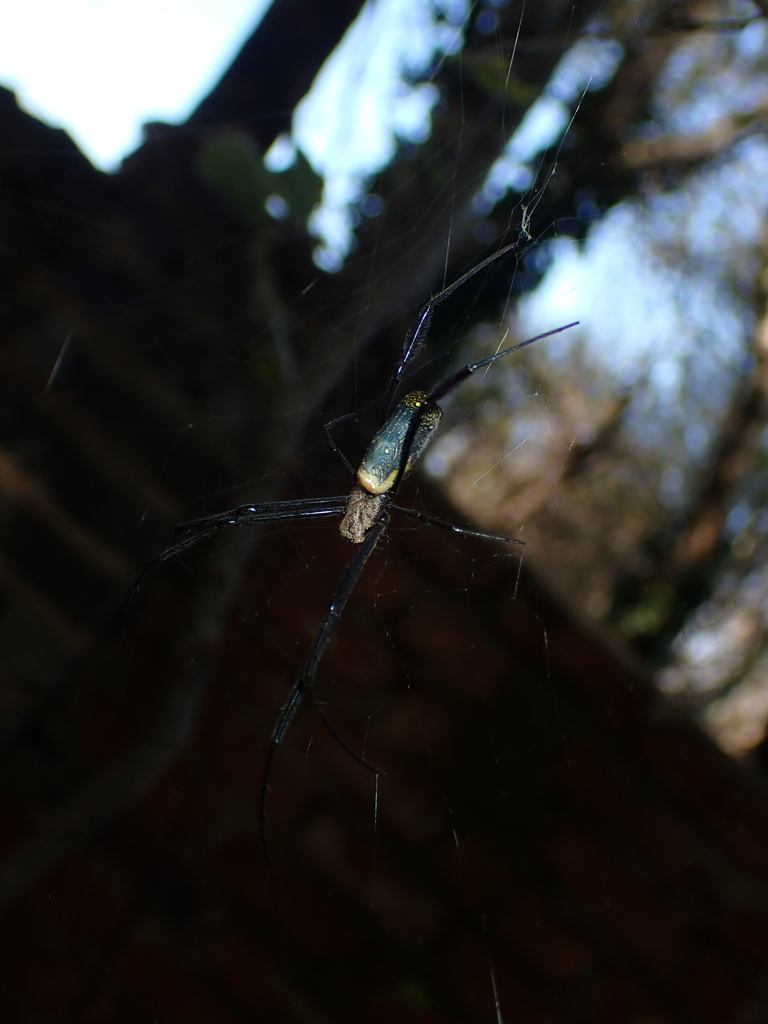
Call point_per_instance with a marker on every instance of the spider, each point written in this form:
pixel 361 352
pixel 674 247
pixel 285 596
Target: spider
pixel 406 430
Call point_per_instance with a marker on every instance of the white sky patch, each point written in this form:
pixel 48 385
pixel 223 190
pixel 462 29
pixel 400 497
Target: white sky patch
pixel 362 104
pixel 102 68
pixel 364 78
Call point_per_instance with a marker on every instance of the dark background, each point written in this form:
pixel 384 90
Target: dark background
pixel 552 842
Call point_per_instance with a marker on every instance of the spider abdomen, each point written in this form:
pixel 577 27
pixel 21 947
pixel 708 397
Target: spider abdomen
pixel 382 462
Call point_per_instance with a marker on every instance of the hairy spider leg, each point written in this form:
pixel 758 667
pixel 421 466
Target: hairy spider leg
pixel 306 680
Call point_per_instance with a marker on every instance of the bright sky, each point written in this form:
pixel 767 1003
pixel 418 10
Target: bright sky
pixel 101 68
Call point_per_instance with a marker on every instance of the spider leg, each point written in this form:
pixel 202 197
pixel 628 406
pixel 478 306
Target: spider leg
pixel 245 515
pixel 428 403
pixel 446 524
pixel 332 444
pixel 420 327
pixel 265 512
pixel 305 683
pixel 452 381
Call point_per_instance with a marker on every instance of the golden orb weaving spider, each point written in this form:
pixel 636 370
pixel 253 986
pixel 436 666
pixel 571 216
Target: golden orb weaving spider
pixel 406 431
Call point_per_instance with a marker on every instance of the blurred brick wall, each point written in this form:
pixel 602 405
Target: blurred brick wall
pixel 541 824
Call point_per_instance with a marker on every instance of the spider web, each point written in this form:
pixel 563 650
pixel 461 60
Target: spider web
pixel 509 862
